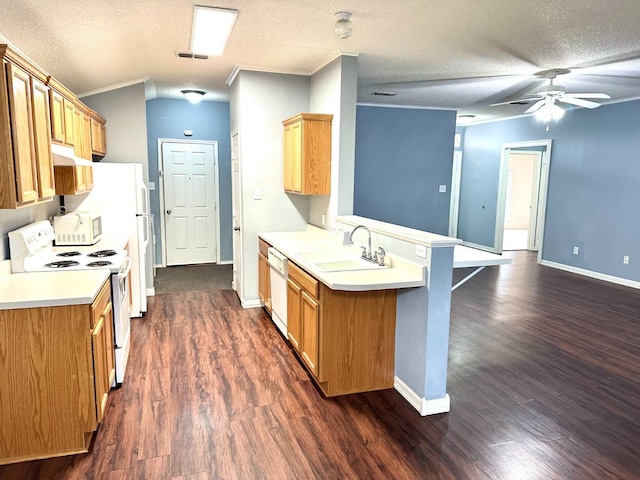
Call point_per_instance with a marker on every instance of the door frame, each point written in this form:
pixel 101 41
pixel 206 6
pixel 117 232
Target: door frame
pixel 454 201
pixel 542 171
pixel 216 192
pixel 236 132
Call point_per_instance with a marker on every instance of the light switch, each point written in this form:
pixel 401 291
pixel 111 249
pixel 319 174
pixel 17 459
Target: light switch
pixel 152 185
pixel 257 194
pixel 442 189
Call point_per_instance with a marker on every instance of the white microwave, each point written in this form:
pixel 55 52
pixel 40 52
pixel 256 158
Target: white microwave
pixel 78 228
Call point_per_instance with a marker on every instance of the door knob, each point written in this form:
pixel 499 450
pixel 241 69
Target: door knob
pixel 168 212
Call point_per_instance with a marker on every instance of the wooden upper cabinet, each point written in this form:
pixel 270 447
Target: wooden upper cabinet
pixel 42 139
pixel 307 154
pixel 56 102
pixel 69 138
pixel 98 138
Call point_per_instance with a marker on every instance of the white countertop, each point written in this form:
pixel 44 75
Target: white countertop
pixel 402 274
pixel 411 235
pixel 49 289
pixel 464 257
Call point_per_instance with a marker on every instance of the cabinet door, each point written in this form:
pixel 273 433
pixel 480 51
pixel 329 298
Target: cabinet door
pixel 287 158
pixel 98 141
pixel 77 132
pixel 110 353
pixel 294 313
pixel 22 132
pixel 42 139
pixel 57 116
pixel 296 157
pixel 100 366
pixel 88 177
pixel 69 137
pixel 310 336
pixel 264 282
pixel 86 137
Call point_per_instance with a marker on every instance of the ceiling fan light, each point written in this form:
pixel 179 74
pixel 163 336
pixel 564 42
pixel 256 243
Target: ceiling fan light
pixel 194 96
pixel 549 112
pixel 343 26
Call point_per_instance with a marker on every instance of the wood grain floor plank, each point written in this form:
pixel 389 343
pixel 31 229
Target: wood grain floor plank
pixel 543 379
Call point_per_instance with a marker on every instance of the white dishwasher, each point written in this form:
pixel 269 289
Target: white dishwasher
pixel 278 278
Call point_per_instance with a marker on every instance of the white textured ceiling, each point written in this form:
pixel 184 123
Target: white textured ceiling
pixel 460 54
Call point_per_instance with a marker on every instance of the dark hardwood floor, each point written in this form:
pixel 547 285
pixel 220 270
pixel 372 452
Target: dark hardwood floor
pixel 543 378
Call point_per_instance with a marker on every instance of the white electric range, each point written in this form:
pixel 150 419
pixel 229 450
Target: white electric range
pixel 31 250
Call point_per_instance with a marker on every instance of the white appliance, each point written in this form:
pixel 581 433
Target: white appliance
pixel 278 272
pixel 31 250
pixel 120 196
pixel 78 228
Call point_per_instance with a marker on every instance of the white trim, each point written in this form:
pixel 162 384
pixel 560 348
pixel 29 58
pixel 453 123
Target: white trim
pixel 330 59
pixel 454 200
pixel 115 86
pixel 225 262
pixel 479 247
pixel 421 404
pixel 151 292
pixel 502 190
pixel 589 273
pixel 251 303
pixel 161 192
pixel 232 76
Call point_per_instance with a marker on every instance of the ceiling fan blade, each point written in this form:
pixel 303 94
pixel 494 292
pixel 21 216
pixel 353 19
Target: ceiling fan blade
pixel 536 106
pixel 578 101
pixel 587 95
pixel 519 100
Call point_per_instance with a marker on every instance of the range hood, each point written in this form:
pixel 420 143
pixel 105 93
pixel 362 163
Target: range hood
pixel 65 156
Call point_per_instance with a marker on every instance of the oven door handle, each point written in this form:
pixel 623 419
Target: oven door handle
pixel 125 269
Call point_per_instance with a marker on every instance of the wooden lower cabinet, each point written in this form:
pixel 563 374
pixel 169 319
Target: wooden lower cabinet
pixel 345 339
pixel 55 371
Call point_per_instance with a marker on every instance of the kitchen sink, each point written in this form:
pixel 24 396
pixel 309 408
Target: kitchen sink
pixel 338 261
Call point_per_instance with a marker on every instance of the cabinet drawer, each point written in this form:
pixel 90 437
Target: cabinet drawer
pixel 100 303
pixel 263 247
pixel 302 278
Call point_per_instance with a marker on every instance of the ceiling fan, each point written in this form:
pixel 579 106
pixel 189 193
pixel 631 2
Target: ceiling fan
pixel 550 94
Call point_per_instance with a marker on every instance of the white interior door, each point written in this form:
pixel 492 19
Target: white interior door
pixel 456 173
pixel 236 210
pixel 189 202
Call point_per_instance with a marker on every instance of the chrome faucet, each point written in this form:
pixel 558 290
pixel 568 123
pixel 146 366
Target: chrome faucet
pixel 366 254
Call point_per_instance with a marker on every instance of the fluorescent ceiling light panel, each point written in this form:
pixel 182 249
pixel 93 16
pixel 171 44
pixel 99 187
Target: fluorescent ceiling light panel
pixel 211 29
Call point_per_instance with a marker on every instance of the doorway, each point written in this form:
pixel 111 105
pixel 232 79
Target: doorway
pixel 236 212
pixel 522 196
pixel 188 172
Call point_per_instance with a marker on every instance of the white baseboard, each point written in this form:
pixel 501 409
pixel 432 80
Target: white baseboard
pixel 588 273
pixel 225 262
pixel 479 247
pixel 251 303
pixel 151 292
pixel 421 404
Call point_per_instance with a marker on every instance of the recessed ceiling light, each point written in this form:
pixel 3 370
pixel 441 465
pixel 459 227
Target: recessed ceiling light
pixel 194 96
pixel 211 29
pixel 465 119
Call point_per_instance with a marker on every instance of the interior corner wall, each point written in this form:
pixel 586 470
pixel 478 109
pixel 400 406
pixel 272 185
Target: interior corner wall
pixel 592 199
pixel 402 156
pixel 333 90
pixel 169 118
pixel 14 219
pixel 259 103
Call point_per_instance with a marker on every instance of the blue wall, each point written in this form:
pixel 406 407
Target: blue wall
pixel 402 156
pixel 168 118
pixel 593 200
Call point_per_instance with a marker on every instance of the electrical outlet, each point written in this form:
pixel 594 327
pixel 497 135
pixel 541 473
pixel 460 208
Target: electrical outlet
pixel 257 194
pixel 625 259
pixel 152 185
pixel 421 251
pixel 575 250
pixel 442 189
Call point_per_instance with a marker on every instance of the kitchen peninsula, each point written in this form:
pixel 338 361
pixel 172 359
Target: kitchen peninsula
pixel 418 272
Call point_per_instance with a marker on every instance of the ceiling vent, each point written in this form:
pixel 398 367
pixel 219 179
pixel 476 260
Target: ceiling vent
pixel 384 94
pixel 195 56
